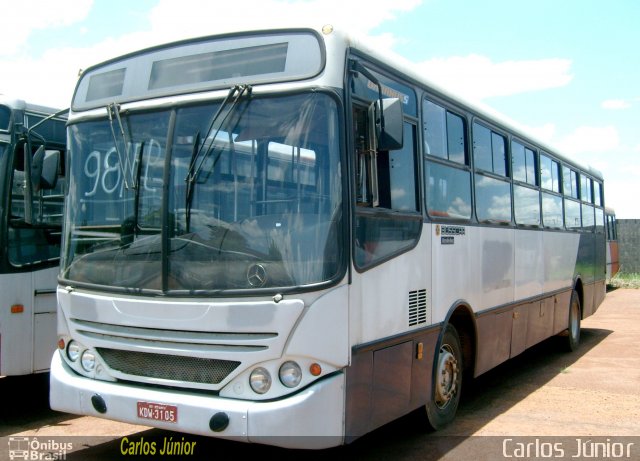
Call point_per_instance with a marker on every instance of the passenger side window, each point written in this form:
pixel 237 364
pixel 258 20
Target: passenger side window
pixel 489 151
pixel 549 174
pixel 447 182
pixel 570 182
pixel 444 133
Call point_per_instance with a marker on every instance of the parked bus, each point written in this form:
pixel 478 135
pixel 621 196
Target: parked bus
pixel 613 255
pixel 286 237
pixel 32 142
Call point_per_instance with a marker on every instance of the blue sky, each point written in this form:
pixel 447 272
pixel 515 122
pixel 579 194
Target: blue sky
pixel 567 70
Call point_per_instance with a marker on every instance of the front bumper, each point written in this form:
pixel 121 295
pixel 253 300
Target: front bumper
pixel 312 418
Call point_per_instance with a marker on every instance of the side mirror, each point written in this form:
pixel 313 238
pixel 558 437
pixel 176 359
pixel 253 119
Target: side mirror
pixel 44 169
pixel 388 122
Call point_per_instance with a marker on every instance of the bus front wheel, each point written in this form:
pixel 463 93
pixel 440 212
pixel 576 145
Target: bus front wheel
pixel 447 380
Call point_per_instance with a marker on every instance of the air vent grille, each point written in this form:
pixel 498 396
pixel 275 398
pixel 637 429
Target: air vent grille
pixel 171 367
pixel 417 307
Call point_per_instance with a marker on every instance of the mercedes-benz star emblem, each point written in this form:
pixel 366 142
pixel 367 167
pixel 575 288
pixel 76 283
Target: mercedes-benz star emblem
pixel 256 275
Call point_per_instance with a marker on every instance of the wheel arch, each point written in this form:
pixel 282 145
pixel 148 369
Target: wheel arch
pixel 461 316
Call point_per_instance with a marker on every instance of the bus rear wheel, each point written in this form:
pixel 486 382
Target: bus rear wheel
pixel 447 380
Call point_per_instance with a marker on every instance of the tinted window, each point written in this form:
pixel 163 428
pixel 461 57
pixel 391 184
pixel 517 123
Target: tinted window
pixel 493 199
pixel 455 137
pixel 526 204
pixel 482 152
pixel 443 133
pixel 499 154
pixel 551 210
pixel 597 193
pixel 570 182
pixel 448 192
pixel 523 163
pixel 585 189
pixel 599 221
pixel 549 174
pixel 402 173
pixel 588 218
pixel 572 214
pixel 489 150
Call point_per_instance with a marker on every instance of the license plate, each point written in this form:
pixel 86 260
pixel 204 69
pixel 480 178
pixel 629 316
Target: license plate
pixel 158 412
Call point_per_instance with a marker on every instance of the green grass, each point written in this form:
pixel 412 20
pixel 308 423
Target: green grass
pixel 624 280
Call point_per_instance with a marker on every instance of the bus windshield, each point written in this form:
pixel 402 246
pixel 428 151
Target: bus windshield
pixel 175 201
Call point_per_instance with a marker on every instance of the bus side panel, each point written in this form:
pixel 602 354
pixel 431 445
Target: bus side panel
pixel 379 298
pixel 44 324
pixel 585 269
pixel 494 339
pixel 385 381
pixel 16 329
pixel 613 258
pixel 601 270
pixel 529 264
pixel 560 257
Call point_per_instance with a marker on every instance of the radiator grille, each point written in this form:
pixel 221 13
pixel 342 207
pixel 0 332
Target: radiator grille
pixel 171 367
pixel 417 307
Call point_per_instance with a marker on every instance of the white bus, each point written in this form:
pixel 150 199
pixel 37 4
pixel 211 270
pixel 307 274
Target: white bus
pixel 32 139
pixel 285 237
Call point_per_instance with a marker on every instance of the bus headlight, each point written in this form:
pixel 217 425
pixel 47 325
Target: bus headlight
pixel 290 374
pixel 260 380
pixel 73 350
pixel 88 360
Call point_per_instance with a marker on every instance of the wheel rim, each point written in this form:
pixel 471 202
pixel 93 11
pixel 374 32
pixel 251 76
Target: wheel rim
pixel 447 377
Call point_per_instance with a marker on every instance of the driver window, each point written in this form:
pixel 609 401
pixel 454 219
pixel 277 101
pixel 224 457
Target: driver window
pixel 38 241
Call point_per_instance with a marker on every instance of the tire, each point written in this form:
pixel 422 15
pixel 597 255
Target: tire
pixel 447 380
pixel 573 323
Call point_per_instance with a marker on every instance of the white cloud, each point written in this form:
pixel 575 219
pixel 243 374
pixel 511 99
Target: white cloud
pixel 22 18
pixel 169 20
pixel 615 104
pixel 590 139
pixel 545 133
pixel 189 18
pixel 478 77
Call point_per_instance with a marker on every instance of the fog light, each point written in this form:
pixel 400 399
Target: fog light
pixel 290 374
pixel 260 380
pixel 73 350
pixel 88 360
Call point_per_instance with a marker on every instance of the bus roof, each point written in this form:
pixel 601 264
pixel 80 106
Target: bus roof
pixel 21 104
pixel 343 41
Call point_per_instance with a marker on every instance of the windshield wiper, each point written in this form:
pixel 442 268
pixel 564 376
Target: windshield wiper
pixel 113 111
pixel 236 93
pixel 198 158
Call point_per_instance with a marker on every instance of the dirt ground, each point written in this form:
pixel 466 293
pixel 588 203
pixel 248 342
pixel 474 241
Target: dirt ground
pixel 546 398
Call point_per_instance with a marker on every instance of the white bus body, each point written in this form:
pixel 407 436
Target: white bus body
pixel 30 247
pixel 281 268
